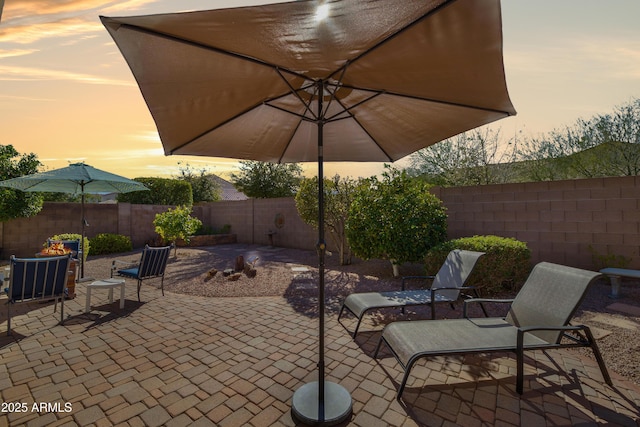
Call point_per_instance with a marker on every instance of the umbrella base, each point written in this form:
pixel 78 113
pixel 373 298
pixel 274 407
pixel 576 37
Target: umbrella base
pixel 337 404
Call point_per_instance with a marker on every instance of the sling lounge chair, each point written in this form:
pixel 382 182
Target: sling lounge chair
pixel 37 279
pixel 446 287
pixel 537 319
pixel 153 263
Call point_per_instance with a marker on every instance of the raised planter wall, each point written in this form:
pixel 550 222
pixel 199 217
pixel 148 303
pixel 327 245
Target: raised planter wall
pixel 209 240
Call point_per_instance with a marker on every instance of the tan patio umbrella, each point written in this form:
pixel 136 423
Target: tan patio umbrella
pixel 318 81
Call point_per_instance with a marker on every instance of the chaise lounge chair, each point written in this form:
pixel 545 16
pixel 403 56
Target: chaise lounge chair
pixel 537 319
pixel 153 263
pixel 37 279
pixel 446 287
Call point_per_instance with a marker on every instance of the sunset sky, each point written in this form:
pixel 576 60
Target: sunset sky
pixel 67 94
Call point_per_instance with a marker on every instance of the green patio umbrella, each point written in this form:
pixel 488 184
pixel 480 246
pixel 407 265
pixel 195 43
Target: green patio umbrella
pixel 77 178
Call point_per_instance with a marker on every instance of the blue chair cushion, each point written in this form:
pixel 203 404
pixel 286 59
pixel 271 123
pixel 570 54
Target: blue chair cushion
pixel 129 272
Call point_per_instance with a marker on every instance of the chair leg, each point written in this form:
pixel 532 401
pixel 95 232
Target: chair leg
pixel 121 296
pixel 355 332
pixel 9 318
pixel 162 285
pixel 520 362
pixel 598 356
pixel 62 310
pixel 87 304
pixel 375 355
pixel 405 377
pixel 139 285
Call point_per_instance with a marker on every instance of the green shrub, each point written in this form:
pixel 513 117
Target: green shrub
pixel 395 218
pixel 608 260
pixel 207 230
pixel 109 243
pixel 176 224
pixel 506 263
pixel 71 236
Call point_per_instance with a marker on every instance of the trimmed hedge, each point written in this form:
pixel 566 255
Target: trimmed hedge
pixel 109 243
pixel 506 263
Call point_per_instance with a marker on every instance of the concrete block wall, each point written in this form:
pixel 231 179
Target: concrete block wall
pixel 142 230
pixel 293 232
pixel 252 220
pixel 559 220
pixel 24 237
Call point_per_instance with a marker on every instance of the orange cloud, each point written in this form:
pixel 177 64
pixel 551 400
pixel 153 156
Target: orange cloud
pixel 10 73
pixel 29 21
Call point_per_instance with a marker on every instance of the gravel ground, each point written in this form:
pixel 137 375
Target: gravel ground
pixel 293 274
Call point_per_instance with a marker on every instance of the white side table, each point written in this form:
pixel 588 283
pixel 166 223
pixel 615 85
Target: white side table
pixel 105 284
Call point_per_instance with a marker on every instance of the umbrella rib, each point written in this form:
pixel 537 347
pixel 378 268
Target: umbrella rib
pixel 392 36
pixel 167 36
pixel 266 102
pixel 347 110
pixel 289 141
pixel 307 105
pixel 301 116
pixel 355 119
pixel 421 98
pixel 334 93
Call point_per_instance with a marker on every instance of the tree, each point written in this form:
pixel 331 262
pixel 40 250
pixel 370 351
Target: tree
pixel 338 195
pixel 162 191
pixel 267 180
pixel 176 224
pixel 395 218
pixel 15 203
pixel 621 132
pixel 203 185
pixel 467 159
pixel 604 145
pixel 552 156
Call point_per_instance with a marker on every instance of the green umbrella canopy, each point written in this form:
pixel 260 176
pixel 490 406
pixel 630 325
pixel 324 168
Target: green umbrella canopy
pixel 77 178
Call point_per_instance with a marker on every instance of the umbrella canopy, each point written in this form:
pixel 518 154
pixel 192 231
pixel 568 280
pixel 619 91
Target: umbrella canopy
pixel 77 178
pixel 399 75
pixel 337 80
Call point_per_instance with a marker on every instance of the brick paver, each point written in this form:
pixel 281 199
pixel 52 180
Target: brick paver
pixel 183 360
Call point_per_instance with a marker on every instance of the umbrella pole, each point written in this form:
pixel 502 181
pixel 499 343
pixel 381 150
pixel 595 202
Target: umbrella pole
pixel 81 254
pixel 321 402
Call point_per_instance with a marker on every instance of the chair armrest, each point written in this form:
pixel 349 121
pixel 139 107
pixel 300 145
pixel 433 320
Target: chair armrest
pixel 527 329
pixel 480 301
pixel 405 278
pixel 455 288
pixel 434 291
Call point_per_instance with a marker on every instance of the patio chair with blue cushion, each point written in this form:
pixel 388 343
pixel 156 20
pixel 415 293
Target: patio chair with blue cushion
pixel 447 286
pixel 538 319
pixel 37 279
pixel 153 263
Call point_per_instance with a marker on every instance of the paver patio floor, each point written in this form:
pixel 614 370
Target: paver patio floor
pixel 180 360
